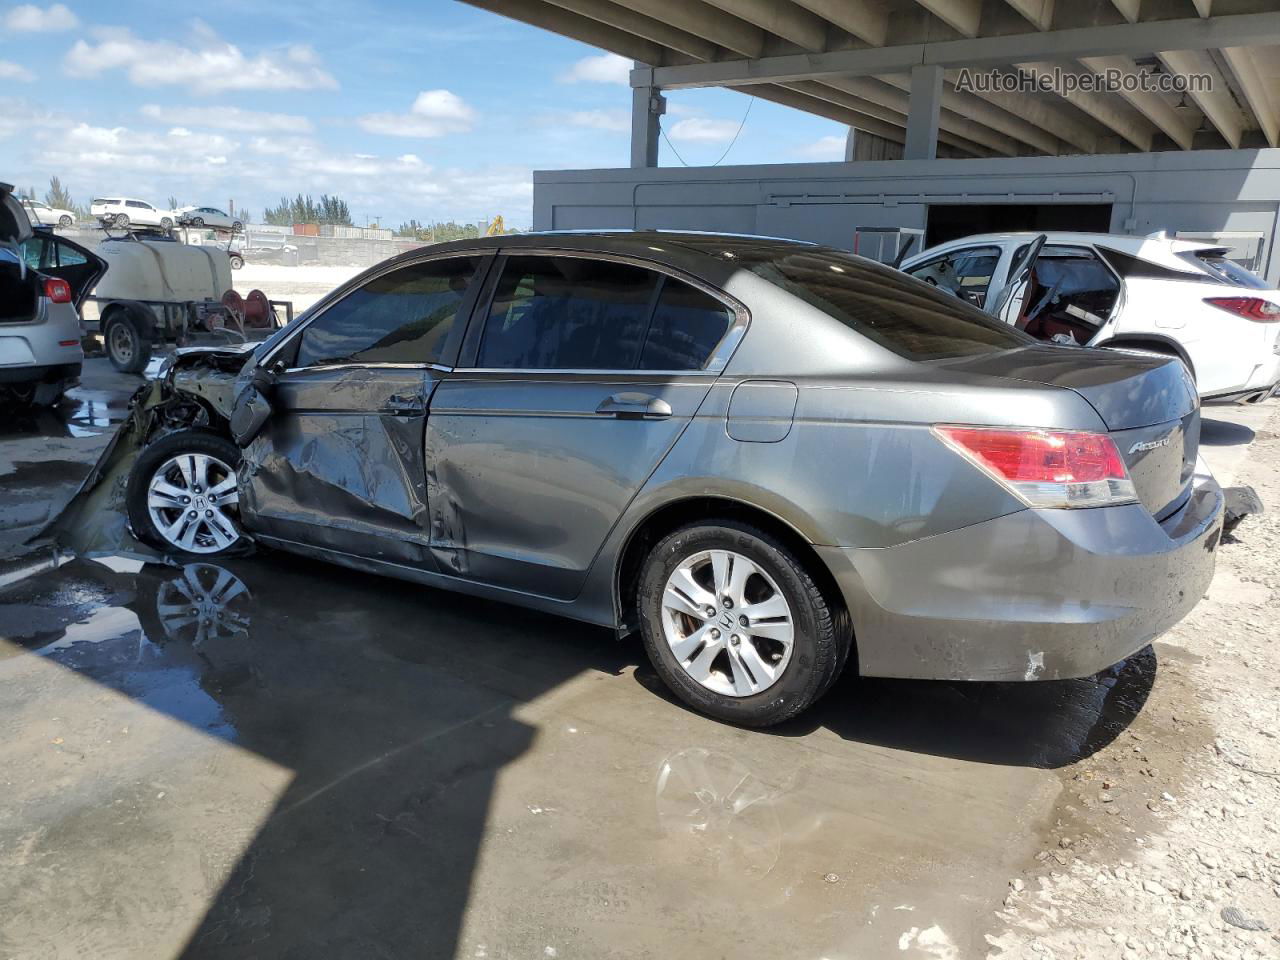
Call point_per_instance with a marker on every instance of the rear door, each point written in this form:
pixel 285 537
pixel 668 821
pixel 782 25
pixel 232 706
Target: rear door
pixel 56 256
pixel 340 463
pixel 576 379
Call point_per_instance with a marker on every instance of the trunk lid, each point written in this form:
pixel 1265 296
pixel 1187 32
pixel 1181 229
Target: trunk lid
pixel 1147 401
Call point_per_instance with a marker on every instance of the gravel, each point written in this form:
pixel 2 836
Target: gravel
pixel 1172 829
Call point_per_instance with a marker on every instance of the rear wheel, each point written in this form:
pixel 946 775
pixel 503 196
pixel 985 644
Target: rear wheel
pixel 735 625
pixel 166 222
pixel 237 261
pixel 197 221
pixel 237 227
pixel 122 220
pixel 64 222
pixel 183 496
pixel 127 343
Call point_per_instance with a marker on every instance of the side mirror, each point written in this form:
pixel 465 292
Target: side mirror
pixel 249 416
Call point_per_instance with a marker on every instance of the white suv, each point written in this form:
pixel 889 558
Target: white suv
pixel 1176 297
pixel 123 211
pixel 41 214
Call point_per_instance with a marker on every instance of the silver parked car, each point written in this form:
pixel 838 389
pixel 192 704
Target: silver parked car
pixel 771 458
pixel 43 281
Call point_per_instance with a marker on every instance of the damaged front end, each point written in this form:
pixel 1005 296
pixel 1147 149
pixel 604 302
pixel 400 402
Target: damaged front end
pixel 195 388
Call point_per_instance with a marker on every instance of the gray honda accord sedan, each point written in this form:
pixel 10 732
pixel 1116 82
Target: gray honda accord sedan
pixel 773 459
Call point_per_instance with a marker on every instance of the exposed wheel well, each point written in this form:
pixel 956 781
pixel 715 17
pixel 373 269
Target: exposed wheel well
pixel 672 516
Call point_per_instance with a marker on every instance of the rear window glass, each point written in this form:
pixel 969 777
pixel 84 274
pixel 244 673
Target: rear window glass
pixel 1228 270
pixel 901 314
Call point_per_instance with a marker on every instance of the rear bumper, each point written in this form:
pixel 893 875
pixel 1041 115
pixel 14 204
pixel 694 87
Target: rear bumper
pixel 1035 595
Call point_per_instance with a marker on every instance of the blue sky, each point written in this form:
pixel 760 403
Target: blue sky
pixel 428 110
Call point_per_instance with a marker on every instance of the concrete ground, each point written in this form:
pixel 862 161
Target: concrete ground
pixel 277 758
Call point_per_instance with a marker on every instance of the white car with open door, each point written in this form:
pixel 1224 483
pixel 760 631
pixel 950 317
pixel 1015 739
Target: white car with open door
pixel 43 280
pixel 1176 297
pixel 41 214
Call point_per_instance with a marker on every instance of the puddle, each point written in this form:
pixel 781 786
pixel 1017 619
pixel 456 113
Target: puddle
pixel 448 757
pixel 84 412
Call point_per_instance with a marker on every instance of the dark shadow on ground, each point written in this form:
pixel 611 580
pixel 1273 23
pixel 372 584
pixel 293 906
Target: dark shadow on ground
pixel 393 706
pixel 1046 725
pixel 1221 433
pixel 391 703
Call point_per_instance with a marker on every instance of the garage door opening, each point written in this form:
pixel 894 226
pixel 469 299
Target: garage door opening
pixel 951 221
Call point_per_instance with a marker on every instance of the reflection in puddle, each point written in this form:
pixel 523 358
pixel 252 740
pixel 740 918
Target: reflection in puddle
pixel 83 413
pixel 206 603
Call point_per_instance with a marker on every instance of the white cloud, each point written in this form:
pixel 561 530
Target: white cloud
pixel 824 148
pixel 613 121
pixel 209 65
pixel 13 71
pixel 434 113
pixel 29 18
pixel 200 165
pixel 229 118
pixel 704 130
pixel 605 68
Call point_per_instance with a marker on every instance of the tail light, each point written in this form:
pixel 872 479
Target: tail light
pixel 1047 468
pixel 59 291
pixel 1251 308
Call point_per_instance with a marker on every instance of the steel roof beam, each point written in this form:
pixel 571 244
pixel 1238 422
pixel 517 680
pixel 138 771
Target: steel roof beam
pixel 1114 39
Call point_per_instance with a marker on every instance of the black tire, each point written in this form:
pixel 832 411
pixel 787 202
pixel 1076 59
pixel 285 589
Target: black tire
pixel 150 461
pixel 237 227
pixel 166 222
pixel 822 638
pixel 236 262
pixel 122 220
pixel 127 341
pixel 197 221
pixel 64 222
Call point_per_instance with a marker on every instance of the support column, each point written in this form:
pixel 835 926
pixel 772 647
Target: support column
pixel 851 144
pixel 922 113
pixel 647 107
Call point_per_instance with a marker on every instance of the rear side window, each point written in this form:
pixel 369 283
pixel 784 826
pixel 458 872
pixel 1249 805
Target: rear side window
pixel 400 317
pixel 575 313
pixel 686 327
pixel 138 204
pixel 910 318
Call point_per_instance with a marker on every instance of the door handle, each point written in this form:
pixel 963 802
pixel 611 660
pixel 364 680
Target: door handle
pixel 397 404
pixel 634 406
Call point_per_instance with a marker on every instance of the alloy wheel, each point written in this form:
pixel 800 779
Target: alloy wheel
pixel 728 625
pixel 192 500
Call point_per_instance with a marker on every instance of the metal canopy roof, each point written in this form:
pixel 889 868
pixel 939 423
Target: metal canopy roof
pixel 851 61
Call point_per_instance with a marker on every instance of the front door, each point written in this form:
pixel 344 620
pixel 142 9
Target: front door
pixel 339 463
pixel 580 376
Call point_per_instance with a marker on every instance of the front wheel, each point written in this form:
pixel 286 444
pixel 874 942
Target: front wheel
pixel 736 626
pixel 237 227
pixel 64 222
pixel 166 222
pixel 197 221
pixel 122 220
pixel 183 496
pixel 237 261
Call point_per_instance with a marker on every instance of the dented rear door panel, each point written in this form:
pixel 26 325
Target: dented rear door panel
pixel 340 462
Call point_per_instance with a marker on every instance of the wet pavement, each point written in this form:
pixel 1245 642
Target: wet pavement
pixel 276 758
